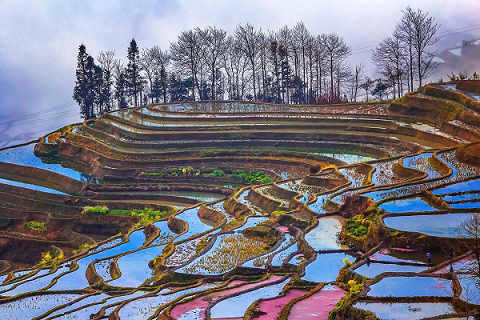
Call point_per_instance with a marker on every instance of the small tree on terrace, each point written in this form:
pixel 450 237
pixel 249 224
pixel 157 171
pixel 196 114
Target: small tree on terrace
pixel 367 85
pixel 380 89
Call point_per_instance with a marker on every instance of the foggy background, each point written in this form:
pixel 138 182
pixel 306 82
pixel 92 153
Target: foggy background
pixel 39 41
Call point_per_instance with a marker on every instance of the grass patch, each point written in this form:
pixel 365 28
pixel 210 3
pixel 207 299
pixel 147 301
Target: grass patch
pixel 216 173
pixel 204 242
pixel 235 223
pixel 81 248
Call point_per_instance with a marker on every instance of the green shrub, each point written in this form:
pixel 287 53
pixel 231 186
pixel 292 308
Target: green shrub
pixel 148 215
pixel 50 258
pixel 355 287
pixel 154 174
pixel 35 225
pixel 217 173
pixel 144 216
pixel 357 226
pixel 95 211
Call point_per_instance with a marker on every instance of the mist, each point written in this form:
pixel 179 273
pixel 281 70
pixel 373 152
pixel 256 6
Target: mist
pixel 39 41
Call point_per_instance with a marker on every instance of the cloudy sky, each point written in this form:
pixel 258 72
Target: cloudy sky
pixel 39 40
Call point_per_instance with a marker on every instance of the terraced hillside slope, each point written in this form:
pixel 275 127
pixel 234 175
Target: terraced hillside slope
pixel 246 210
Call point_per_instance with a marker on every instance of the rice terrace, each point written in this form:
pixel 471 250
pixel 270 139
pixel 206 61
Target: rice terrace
pixel 191 201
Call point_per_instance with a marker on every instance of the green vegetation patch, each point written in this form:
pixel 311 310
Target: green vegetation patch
pixel 253 177
pixel 216 173
pixel 359 225
pixel 204 242
pixel 235 223
pixel 51 258
pixel 35 225
pixel 81 248
pixel 95 211
pixel 144 216
pixel 155 174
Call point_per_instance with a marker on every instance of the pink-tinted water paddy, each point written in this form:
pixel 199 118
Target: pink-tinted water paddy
pixel 195 309
pixel 235 282
pixel 318 305
pixel 273 307
pixel 283 229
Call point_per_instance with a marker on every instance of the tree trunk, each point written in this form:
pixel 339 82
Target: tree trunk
pixel 331 76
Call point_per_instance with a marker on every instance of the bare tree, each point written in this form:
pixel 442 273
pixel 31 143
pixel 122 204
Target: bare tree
pixel 215 44
pixel 470 229
pixel 263 59
pixel 320 57
pixel 162 58
pixel 107 63
pixel 424 29
pixel 248 39
pixel 388 56
pixel 356 80
pixel 288 65
pixel 404 32
pixel 273 57
pixel 236 65
pixel 417 32
pixel 337 51
pixel 301 37
pixel 149 65
pixel 187 54
pixel 284 36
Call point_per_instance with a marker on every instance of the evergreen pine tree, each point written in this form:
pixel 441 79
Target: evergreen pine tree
pixel 164 82
pixel 80 89
pixel 97 86
pixel 90 86
pixel 121 89
pixel 133 71
pixel 106 92
pixel 157 89
pixel 178 88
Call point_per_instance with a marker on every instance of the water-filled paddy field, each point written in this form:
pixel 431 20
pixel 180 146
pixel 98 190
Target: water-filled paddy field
pixel 411 287
pixel 141 214
pixel 438 225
